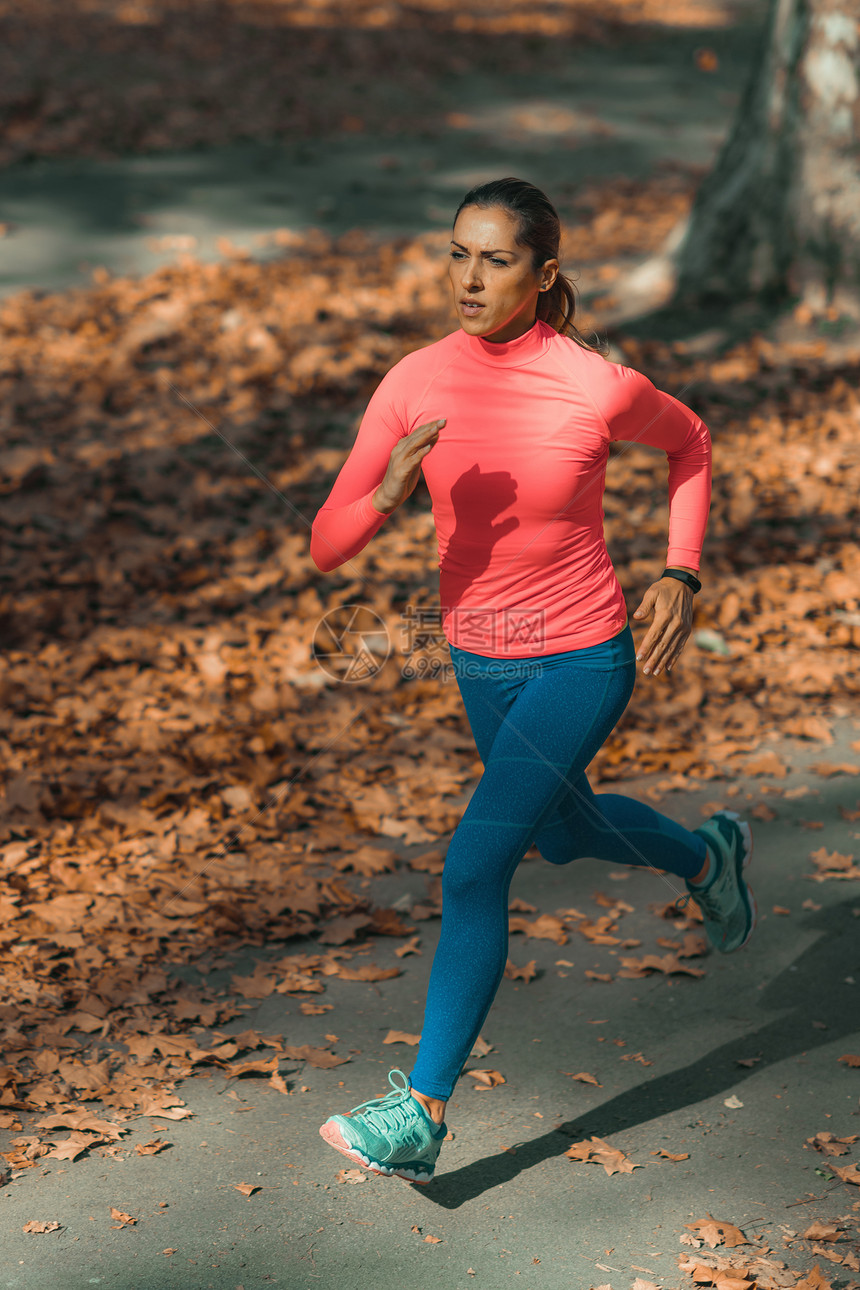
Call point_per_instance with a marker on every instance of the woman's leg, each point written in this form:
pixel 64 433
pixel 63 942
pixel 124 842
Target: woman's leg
pixel 622 830
pixel 607 826
pixel 550 722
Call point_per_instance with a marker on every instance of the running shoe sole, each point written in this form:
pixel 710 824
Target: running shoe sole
pixel 332 1135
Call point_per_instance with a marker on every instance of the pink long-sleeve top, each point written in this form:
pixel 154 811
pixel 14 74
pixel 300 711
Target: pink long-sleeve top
pixel 516 480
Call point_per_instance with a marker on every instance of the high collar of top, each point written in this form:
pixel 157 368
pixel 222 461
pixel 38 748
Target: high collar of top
pixel 510 353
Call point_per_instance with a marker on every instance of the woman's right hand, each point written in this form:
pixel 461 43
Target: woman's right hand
pixel 404 466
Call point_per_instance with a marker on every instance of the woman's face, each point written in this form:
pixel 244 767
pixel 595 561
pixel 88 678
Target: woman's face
pixel 489 267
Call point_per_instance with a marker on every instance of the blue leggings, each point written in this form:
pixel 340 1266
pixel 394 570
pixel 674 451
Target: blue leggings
pixel 537 724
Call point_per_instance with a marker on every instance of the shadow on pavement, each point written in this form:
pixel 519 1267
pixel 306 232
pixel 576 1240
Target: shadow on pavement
pixel 815 992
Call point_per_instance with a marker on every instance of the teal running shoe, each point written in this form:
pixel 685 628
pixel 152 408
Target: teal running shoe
pixel 727 902
pixel 394 1136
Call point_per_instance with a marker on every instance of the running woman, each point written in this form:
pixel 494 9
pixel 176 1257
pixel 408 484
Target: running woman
pixel 510 418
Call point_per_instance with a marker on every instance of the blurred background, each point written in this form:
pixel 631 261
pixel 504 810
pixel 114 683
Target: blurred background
pixel 169 126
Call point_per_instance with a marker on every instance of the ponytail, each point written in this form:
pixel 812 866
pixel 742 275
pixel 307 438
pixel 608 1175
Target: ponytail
pixel 558 308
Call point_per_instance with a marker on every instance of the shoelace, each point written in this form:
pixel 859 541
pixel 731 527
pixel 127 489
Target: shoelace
pixel 393 1103
pixel 706 903
pixel 382 1120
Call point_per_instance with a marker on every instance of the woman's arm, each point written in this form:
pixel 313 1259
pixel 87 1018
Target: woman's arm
pixel 637 412
pixel 348 518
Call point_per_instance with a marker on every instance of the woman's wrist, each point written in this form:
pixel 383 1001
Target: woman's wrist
pixel 379 503
pixel 681 573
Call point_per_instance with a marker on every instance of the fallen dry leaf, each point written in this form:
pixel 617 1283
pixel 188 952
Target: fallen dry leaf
pixel 70 1148
pixel 151 1148
pixel 369 973
pixel 350 1176
pixel 599 931
pixel 828 768
pixel 669 1155
pixel 154 1107
pixel 599 1152
pixel 526 973
pixel 823 1232
pixel 263 1065
pixel 368 861
pixel 615 903
pixel 320 1058
pixel 717 1232
pixel 830 1145
pixel 546 928
pixel 811 727
pixel 826 1252
pixel 719 1278
pixel 401 1037
pixel 253 987
pixel 832 865
pixel 125 1220
pixel 585 1078
pixel 814 1280
pixel 668 963
pixel 247 1189
pixel 35 1226
pixel 81 1119
pixel 767 763
pixel 485 1079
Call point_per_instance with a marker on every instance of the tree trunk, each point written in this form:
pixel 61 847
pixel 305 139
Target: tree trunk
pixel 778 216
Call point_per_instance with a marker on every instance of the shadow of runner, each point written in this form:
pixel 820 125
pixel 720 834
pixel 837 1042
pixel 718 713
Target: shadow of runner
pixel 816 992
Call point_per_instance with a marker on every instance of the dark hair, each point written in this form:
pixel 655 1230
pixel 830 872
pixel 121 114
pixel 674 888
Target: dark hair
pixel 539 228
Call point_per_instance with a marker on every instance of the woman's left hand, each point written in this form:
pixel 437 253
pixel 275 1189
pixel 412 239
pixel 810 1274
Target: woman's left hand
pixel 672 603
